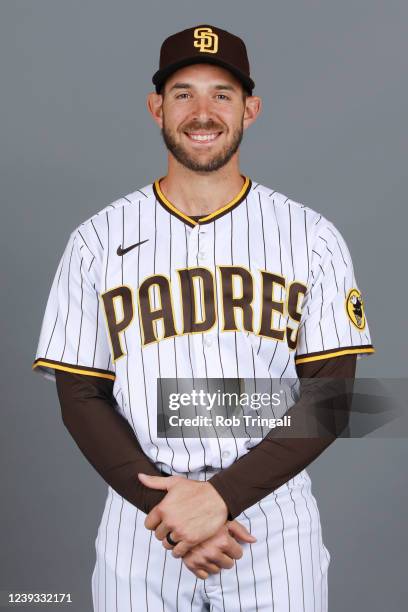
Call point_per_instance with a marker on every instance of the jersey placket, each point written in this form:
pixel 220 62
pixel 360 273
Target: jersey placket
pixel 197 256
pixel 204 344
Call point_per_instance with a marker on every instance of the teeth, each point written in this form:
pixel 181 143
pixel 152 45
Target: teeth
pixel 203 137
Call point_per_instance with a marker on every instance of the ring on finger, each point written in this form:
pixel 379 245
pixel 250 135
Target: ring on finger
pixel 170 540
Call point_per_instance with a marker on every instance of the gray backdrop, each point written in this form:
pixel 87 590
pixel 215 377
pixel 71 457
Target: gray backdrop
pixel 75 135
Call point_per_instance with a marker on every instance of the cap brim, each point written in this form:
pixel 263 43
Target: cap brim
pixel 161 75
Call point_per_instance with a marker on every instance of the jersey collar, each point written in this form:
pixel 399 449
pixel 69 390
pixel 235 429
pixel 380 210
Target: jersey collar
pixel 161 198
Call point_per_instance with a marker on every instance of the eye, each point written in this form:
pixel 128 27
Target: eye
pixel 224 96
pixel 182 94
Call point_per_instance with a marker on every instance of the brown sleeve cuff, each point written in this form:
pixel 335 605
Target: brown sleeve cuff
pixel 222 488
pixel 244 484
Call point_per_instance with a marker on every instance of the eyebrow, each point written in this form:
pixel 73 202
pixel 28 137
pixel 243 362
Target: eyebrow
pixel 225 86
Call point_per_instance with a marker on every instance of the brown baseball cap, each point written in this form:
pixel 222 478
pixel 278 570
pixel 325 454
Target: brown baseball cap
pixel 204 44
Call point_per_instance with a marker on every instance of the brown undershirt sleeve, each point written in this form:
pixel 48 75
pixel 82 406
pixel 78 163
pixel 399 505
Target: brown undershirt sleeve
pixel 105 437
pixel 108 442
pixel 275 460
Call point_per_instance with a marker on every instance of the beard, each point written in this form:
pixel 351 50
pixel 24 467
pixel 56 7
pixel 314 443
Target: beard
pixel 216 162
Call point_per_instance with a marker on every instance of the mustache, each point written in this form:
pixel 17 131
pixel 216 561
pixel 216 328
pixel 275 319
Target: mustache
pixel 192 127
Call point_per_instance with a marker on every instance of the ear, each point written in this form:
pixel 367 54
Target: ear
pixel 253 107
pixel 154 104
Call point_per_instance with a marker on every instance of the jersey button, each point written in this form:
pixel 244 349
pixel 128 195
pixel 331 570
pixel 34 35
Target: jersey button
pixel 225 454
pixel 201 255
pixel 208 341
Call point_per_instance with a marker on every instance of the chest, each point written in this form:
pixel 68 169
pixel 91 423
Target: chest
pixel 237 273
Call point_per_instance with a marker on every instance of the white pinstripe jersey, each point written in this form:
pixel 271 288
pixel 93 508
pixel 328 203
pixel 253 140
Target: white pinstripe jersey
pixel 249 291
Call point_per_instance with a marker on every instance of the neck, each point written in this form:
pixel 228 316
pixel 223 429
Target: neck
pixel 196 193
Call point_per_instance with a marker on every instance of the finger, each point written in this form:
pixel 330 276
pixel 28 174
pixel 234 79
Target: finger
pixel 211 568
pixel 153 519
pixel 200 574
pixel 155 482
pixel 240 532
pixel 167 545
pixel 181 549
pixel 161 531
pixel 232 549
pixel 222 561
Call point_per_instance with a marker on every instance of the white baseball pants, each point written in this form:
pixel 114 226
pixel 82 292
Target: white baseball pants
pixel 285 570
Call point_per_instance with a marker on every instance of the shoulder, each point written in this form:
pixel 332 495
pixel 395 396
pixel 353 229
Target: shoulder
pixel 284 203
pixel 116 206
pixel 94 228
pixel 90 238
pixel 315 224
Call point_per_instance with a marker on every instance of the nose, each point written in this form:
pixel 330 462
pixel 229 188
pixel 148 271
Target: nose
pixel 202 109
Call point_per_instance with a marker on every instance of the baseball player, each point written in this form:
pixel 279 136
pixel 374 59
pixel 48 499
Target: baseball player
pixel 203 273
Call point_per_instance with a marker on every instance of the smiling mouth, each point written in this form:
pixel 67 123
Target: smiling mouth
pixel 202 138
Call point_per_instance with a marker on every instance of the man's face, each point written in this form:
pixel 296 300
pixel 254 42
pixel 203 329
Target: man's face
pixel 203 111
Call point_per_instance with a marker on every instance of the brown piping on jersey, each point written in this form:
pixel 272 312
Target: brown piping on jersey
pixel 334 352
pixel 189 220
pixel 51 364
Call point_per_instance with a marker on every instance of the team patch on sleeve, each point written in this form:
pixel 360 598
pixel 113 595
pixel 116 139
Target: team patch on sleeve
pixel 355 308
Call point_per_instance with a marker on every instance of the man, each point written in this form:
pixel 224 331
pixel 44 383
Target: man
pixel 200 275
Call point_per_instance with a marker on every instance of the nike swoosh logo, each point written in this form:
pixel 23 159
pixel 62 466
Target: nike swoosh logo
pixel 121 251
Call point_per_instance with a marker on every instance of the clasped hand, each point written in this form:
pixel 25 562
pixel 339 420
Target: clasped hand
pixel 195 515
